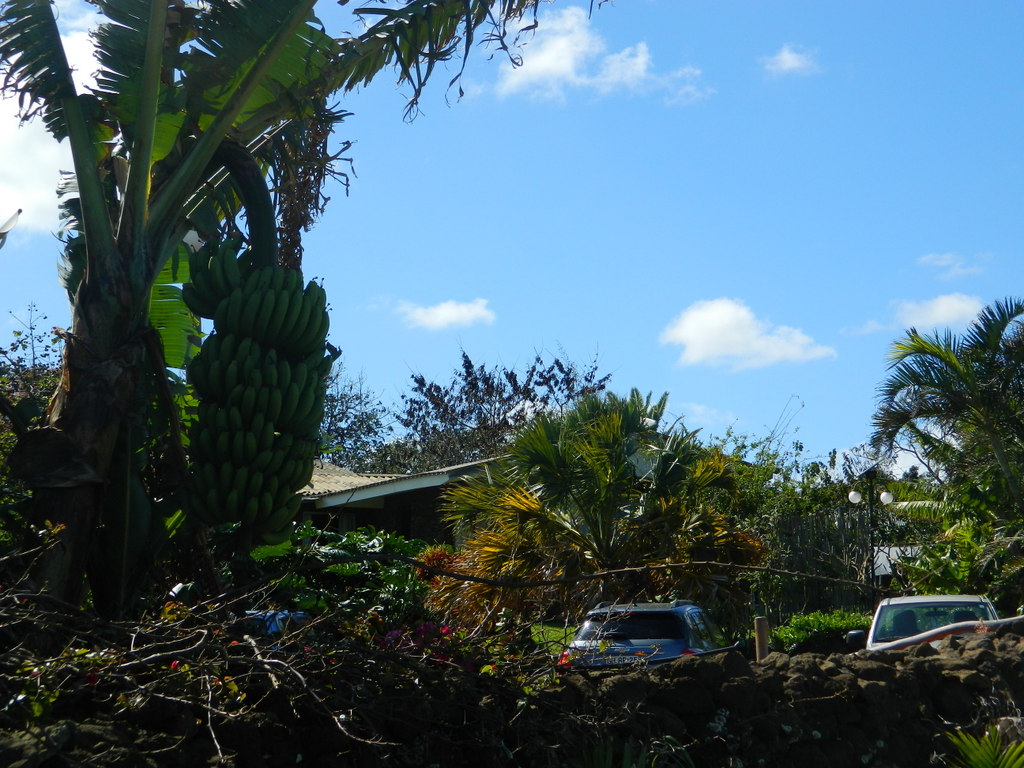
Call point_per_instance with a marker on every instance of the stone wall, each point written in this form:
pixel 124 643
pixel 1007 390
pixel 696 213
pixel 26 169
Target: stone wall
pixel 888 709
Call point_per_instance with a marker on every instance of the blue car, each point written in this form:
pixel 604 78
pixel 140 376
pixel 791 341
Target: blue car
pixel 616 635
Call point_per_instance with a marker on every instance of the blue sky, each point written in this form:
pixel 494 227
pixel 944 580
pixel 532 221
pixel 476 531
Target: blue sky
pixel 742 204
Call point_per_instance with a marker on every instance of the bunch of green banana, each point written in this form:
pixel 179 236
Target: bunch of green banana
pixel 214 271
pixel 260 379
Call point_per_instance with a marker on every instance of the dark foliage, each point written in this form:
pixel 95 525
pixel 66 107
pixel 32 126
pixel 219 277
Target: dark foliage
pixel 474 415
pixel 29 372
pixel 356 423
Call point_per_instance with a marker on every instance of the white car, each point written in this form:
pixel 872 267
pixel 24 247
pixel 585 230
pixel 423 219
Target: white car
pixel 897 618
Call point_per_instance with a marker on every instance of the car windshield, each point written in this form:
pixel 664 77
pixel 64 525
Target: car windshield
pixel 633 626
pixel 895 622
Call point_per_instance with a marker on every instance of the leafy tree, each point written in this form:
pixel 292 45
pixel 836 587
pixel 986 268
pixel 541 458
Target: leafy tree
pixel 476 413
pixel 602 486
pixel 196 105
pixel 356 423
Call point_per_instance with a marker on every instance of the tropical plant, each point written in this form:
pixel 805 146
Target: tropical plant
pixel 359 576
pixel 988 751
pixel 961 546
pixel 195 106
pixel 959 399
pixel 597 488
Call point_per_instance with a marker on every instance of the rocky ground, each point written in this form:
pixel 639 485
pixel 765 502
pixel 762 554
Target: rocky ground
pixel 203 695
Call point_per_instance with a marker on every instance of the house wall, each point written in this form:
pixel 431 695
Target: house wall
pixel 414 515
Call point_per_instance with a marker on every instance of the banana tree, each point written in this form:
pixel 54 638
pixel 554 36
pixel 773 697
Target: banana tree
pixel 201 110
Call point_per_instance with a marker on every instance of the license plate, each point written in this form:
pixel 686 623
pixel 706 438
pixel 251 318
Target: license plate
pixel 624 659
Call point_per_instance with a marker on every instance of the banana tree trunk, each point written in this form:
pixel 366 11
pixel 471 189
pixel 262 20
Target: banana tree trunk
pixel 67 463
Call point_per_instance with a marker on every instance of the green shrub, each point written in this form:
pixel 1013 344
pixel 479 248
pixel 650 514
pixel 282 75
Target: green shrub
pixel 350 575
pixel 802 627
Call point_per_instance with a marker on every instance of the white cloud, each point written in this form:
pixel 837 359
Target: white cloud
pixel 32 158
pixel 697 415
pixel 952 309
pixel 725 332
pixel 566 53
pixel 871 326
pixel 30 171
pixel 949 265
pixel 790 61
pixel 447 314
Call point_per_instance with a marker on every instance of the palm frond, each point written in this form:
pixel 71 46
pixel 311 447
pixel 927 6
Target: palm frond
pixel 417 36
pixel 33 63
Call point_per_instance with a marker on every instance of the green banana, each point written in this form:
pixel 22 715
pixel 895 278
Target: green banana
pixel 231 380
pixel 231 509
pixel 300 375
pixel 277 281
pixel 237 309
pixel 300 411
pixel 197 303
pixel 223 445
pixel 247 404
pixel 257 281
pixel 238 450
pixel 290 321
pixel 275 325
pixel 266 306
pixel 262 460
pixel 241 480
pixel 255 485
pixel 262 398
pixel 289 401
pixel 281 517
pixel 231 270
pixel 284 375
pixel 270 372
pixel 235 418
pixel 197 373
pixel 274 402
pixel 251 510
pixel 273 538
pixel 214 503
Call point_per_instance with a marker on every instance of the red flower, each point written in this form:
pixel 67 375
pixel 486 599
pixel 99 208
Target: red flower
pixel 91 678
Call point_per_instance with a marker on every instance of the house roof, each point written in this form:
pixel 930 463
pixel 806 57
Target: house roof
pixel 334 486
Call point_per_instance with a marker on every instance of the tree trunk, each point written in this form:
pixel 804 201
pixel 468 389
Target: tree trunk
pixel 67 462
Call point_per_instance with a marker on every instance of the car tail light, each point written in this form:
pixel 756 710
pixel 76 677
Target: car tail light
pixel 688 652
pixel 565 660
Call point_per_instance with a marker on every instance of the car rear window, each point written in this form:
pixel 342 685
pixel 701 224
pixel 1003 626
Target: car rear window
pixel 895 622
pixel 633 626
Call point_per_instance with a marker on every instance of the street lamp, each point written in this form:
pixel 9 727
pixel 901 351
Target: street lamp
pixel 856 497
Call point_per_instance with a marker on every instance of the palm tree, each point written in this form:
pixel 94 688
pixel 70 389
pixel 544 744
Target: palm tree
pixel 196 105
pixel 593 489
pixel 960 397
